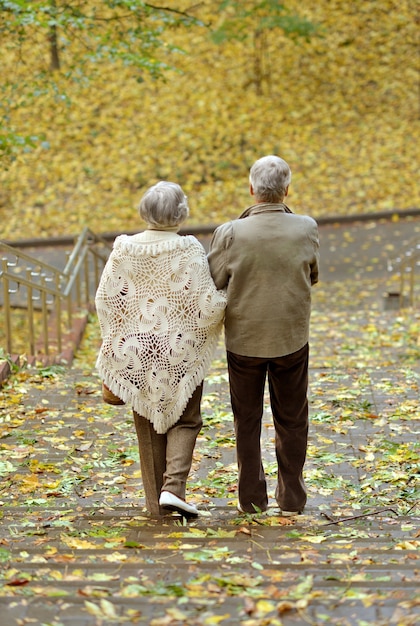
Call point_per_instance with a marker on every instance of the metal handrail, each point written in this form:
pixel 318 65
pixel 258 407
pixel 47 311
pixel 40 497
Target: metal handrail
pixel 41 288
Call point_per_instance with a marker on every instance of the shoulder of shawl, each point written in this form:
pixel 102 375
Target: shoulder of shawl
pixel 127 244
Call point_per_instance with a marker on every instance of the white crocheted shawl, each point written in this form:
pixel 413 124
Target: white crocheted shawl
pixel 160 316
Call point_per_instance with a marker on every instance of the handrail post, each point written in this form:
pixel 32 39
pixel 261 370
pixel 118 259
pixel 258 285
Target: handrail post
pixel 44 312
pixel 96 269
pixel 87 286
pixel 69 311
pixel 30 305
pixel 78 291
pixel 412 278
pixel 57 300
pixel 6 300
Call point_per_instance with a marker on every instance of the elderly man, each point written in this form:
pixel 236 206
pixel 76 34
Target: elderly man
pixel 268 261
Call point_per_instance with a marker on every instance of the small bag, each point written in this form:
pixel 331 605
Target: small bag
pixel 109 397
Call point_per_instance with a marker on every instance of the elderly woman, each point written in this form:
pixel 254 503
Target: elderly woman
pixel 160 316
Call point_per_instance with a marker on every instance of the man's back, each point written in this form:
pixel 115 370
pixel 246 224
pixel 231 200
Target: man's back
pixel 268 261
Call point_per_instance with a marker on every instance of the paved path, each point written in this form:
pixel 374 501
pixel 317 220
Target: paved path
pixel 77 550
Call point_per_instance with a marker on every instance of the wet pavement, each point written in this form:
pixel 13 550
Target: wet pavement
pixel 76 548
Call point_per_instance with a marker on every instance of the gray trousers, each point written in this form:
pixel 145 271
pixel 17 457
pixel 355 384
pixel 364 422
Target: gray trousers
pixel 165 460
pixel 288 384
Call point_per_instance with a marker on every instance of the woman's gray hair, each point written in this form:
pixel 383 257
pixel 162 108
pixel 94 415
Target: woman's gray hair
pixel 270 176
pixel 164 204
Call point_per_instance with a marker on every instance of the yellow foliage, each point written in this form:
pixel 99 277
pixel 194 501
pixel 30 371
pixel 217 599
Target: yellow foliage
pixel 342 109
pixel 216 619
pixel 78 544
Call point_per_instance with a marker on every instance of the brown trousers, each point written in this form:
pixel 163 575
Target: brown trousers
pixel 165 460
pixel 288 385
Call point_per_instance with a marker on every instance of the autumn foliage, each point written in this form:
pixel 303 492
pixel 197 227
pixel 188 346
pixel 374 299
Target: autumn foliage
pixel 341 108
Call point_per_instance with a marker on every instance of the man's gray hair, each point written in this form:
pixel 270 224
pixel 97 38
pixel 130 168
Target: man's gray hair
pixel 270 176
pixel 164 204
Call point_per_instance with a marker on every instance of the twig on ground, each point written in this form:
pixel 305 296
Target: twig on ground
pixel 348 519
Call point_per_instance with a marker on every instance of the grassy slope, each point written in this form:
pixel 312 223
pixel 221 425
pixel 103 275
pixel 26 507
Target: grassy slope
pixel 342 110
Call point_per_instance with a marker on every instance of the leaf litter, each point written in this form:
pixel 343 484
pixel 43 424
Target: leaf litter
pixel 71 493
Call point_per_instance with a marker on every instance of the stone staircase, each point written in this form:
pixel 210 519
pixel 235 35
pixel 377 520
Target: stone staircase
pixel 77 548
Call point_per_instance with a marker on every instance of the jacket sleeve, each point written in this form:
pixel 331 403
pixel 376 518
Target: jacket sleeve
pixel 218 255
pixel 315 261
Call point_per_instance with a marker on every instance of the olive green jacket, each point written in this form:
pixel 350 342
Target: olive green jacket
pixel 268 261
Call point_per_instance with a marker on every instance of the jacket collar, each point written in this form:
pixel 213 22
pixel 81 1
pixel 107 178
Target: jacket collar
pixel 265 207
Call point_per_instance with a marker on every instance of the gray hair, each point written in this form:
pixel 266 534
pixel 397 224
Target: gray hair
pixel 270 176
pixel 164 204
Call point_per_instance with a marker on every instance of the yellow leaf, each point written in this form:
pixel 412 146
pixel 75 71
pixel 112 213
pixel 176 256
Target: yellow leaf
pixel 313 539
pixel 115 557
pixel 93 609
pixel 108 609
pixel 176 614
pixel 285 606
pixel 408 545
pixel 264 606
pixel 216 619
pixel 78 544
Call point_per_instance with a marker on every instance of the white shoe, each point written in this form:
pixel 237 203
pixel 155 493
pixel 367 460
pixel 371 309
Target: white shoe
pixel 256 510
pixel 289 513
pixel 169 501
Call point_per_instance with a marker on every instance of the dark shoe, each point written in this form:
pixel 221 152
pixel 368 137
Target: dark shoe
pixel 169 501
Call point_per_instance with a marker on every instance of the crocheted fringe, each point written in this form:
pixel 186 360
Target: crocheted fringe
pixel 146 249
pixel 161 422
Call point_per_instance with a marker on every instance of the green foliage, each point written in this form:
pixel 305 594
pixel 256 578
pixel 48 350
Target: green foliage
pixel 241 19
pixel 111 30
pixel 51 371
pixel 12 143
pixel 80 37
pixel 4 356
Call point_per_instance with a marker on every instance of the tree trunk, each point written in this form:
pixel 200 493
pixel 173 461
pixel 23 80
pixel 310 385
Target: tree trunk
pixel 257 62
pixel 54 52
